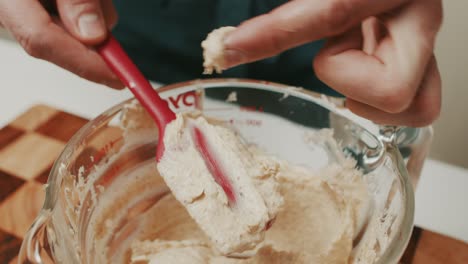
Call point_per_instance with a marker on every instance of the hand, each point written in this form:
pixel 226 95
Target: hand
pixel 379 54
pixel 63 40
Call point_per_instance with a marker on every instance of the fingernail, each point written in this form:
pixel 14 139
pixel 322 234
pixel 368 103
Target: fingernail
pixel 90 26
pixel 233 58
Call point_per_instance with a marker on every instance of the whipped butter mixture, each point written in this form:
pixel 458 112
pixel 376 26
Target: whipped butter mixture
pixel 282 213
pixel 316 225
pixel 315 215
pixel 235 210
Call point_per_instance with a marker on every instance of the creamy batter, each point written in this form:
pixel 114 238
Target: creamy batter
pixel 317 213
pixel 233 211
pixel 317 224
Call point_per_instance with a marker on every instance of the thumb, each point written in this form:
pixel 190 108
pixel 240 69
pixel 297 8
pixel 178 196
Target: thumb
pixel 84 19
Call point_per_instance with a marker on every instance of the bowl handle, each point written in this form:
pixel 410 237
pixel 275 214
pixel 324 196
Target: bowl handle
pixel 35 247
pixel 414 145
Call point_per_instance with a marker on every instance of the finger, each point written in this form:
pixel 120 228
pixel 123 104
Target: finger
pixel 424 110
pixel 84 19
pixel 349 41
pixel 388 78
pixel 413 31
pixel 298 22
pixel 110 13
pixel 108 10
pixel 41 38
pixel 372 30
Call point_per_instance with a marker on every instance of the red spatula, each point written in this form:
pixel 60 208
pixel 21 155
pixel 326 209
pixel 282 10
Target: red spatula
pixel 128 73
pixel 131 77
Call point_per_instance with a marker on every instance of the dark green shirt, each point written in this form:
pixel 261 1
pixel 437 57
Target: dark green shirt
pixel 164 37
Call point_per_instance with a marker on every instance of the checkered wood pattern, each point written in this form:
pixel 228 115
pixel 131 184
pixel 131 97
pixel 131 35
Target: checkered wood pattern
pixel 30 144
pixel 28 147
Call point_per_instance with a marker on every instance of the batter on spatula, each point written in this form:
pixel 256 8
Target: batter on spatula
pixel 232 193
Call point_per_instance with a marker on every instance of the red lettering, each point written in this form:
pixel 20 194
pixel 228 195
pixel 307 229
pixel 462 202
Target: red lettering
pixel 252 122
pixel 188 99
pixel 175 102
pixel 187 96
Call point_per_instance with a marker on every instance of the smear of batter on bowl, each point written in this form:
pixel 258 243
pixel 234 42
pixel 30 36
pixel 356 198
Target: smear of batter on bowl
pixel 232 97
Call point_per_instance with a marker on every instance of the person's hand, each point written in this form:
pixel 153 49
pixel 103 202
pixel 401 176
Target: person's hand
pixel 64 39
pixel 379 54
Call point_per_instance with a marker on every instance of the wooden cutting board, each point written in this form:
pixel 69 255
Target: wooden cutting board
pixel 30 144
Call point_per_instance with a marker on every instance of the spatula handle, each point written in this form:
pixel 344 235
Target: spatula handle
pixel 128 73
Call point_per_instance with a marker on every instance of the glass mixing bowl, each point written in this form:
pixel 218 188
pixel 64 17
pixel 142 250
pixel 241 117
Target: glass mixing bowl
pixel 276 117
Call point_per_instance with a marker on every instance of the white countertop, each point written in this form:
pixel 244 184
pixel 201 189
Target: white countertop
pixel 441 196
